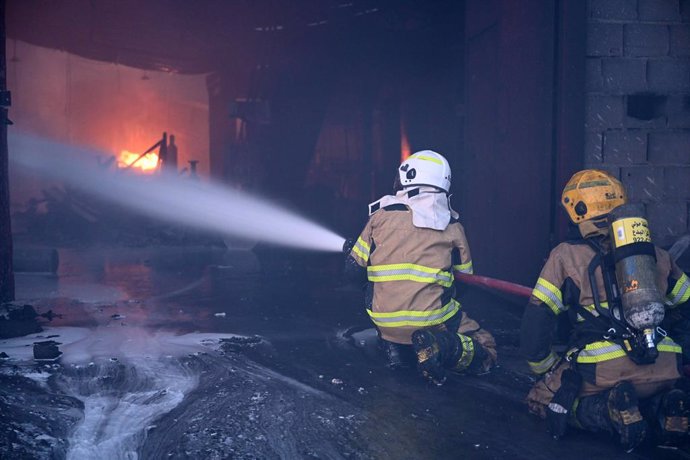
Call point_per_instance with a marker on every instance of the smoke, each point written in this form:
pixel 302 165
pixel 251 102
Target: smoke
pixel 205 206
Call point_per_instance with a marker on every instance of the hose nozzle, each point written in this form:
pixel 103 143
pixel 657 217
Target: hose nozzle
pixel 348 245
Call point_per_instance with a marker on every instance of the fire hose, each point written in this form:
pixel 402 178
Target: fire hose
pixel 495 284
pixel 474 280
pixel 678 248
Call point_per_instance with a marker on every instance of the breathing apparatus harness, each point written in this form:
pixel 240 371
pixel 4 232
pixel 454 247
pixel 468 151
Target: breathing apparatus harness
pixel 635 308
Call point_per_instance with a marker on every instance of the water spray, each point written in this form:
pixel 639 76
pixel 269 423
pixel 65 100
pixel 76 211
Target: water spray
pixel 205 206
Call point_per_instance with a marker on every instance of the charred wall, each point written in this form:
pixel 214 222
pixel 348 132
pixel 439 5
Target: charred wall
pixel 638 104
pixel 523 124
pixel 340 103
pixel 555 86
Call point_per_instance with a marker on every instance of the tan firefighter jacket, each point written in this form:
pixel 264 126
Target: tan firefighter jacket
pixel 564 282
pixel 411 270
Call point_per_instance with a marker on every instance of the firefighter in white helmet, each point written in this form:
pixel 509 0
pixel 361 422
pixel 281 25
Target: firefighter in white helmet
pixel 409 250
pixel 616 374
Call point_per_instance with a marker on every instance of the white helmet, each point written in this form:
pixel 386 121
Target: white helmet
pixel 425 167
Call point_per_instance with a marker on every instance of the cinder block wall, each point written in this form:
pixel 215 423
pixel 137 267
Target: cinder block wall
pixel 638 105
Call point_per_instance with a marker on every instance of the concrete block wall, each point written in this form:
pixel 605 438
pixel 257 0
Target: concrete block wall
pixel 638 105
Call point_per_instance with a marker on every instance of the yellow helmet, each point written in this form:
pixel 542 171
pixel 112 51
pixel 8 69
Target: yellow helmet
pixel 591 193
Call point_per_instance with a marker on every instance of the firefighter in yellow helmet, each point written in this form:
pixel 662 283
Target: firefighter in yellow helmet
pixel 620 372
pixel 408 252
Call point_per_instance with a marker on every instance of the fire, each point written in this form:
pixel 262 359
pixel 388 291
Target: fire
pixel 405 149
pixel 148 163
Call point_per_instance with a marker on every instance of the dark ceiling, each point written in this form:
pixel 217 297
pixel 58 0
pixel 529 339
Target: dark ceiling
pixel 203 35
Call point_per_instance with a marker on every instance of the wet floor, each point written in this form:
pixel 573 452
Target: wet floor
pixel 290 383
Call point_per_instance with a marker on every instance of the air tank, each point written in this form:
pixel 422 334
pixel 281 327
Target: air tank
pixel 635 258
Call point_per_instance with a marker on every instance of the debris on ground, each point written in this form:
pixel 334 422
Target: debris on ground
pixel 17 320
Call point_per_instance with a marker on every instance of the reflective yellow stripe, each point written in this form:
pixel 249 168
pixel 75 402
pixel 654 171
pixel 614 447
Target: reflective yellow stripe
pixel 600 351
pixel 360 254
pixel 467 353
pixel 547 300
pixel 592 309
pixel 432 159
pixel 540 367
pixel 550 295
pixel 403 318
pixel 681 291
pixel 669 345
pixel 361 248
pixel 593 183
pixel 573 414
pixel 409 272
pixel 464 268
pixel 604 350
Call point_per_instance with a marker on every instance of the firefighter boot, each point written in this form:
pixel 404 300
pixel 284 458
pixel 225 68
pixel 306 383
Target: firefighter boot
pixel 592 413
pixel 558 410
pixel 674 416
pixel 625 416
pixel 398 355
pixel 616 411
pixel 433 348
pixel 468 356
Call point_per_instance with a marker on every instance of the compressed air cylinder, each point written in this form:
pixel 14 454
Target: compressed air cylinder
pixel 643 305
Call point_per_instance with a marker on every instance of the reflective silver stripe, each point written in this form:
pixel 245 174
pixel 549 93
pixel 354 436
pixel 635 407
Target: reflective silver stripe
pixel 403 317
pixel 678 297
pixel 593 310
pixel 361 249
pixel 415 318
pixel 440 276
pixel 409 272
pixel 558 303
pixel 680 291
pixel 598 351
pixel 539 367
pixel 603 351
pixel 464 268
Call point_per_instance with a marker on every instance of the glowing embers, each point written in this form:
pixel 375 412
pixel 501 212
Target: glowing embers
pixel 135 161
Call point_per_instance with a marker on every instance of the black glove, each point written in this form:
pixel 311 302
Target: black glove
pixel 352 271
pixel 348 245
pixel 558 410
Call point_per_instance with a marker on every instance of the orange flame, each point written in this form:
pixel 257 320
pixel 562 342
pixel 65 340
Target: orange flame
pixel 405 149
pixel 147 164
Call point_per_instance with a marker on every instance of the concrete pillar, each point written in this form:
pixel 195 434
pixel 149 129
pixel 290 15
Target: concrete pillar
pixel 6 272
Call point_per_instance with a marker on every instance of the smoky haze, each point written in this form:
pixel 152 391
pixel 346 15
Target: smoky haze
pixel 200 205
